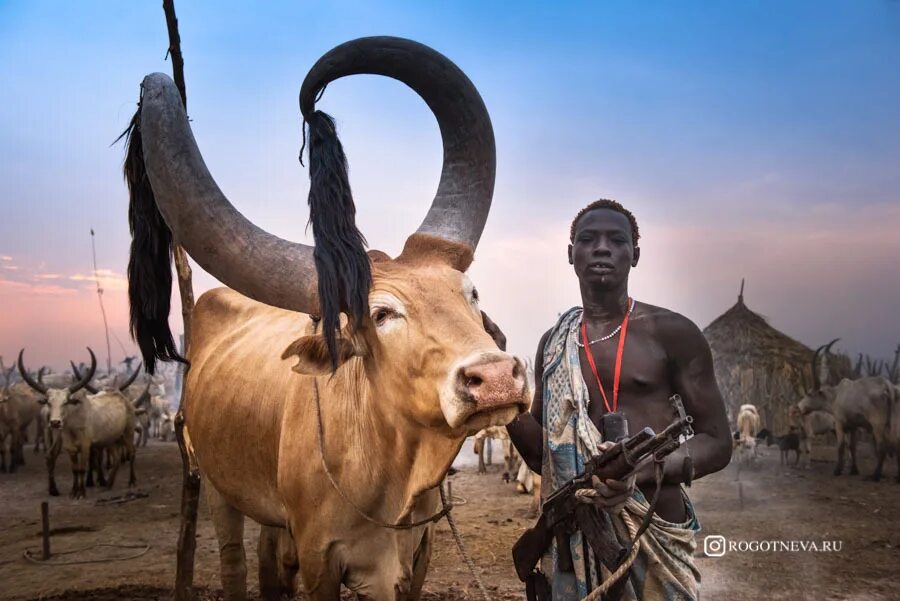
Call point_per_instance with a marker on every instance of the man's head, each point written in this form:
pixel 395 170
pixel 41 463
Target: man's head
pixel 603 248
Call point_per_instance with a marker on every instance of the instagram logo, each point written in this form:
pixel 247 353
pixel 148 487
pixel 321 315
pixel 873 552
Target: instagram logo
pixel 714 545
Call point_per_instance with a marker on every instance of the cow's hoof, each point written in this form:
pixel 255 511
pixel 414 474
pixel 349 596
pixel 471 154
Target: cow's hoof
pixel 873 478
pixel 837 472
pixel 854 471
pixel 54 492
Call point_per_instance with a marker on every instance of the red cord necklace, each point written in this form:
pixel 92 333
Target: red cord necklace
pixel 619 352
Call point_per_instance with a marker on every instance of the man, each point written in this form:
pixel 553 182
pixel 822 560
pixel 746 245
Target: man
pixel 658 353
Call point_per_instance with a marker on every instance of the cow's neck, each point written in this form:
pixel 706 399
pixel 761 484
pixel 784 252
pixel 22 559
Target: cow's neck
pixel 385 446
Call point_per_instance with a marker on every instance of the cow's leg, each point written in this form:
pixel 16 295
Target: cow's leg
pixel 229 524
pixel 880 452
pixel 79 459
pixel 489 443
pixel 841 447
pixel 114 456
pixel 3 454
pixel 51 456
pixel 131 449
pixel 420 564
pixel 267 553
pixel 92 464
pixel 287 563
pixel 320 573
pixel 854 438
pixel 897 453
pixel 39 435
pixel 18 446
pixel 98 466
pixel 277 563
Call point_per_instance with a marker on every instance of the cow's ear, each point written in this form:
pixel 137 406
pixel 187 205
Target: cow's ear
pixel 312 354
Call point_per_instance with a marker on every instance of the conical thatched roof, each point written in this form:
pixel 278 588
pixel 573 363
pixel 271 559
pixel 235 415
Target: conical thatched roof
pixel 757 364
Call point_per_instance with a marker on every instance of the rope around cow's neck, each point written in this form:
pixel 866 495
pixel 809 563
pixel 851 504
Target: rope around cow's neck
pixel 446 504
pixel 445 509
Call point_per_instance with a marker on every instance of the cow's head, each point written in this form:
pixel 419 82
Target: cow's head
pixel 412 323
pixel 818 397
pixel 423 345
pixel 58 401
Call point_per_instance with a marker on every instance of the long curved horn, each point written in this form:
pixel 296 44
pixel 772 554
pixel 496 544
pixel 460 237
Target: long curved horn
pixel 28 379
pixel 131 378
pixel 222 241
pixel 82 383
pixel 463 199
pixel 77 374
pixel 815 369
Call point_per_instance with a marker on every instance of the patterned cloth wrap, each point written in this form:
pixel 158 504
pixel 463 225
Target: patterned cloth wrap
pixel 664 567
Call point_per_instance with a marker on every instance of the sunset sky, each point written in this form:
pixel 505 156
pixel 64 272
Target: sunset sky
pixel 756 140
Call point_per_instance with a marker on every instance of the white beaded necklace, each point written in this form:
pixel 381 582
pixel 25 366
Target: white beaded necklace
pixel 611 334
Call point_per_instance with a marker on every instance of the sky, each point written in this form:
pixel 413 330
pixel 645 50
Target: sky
pixel 756 140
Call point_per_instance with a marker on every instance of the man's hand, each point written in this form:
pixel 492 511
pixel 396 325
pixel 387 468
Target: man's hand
pixel 494 330
pixel 607 494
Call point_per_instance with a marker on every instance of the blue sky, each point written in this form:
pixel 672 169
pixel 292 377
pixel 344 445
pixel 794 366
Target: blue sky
pixel 751 139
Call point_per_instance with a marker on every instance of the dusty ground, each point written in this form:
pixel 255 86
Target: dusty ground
pixel 778 504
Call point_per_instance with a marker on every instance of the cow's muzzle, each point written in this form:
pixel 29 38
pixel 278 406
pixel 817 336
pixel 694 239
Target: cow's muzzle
pixel 56 424
pixel 498 382
pixel 486 389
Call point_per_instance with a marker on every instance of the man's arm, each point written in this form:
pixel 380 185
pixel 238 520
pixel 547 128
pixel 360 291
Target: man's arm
pixel 694 379
pixel 526 431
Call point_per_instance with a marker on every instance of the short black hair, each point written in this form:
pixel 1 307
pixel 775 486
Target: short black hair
pixel 606 203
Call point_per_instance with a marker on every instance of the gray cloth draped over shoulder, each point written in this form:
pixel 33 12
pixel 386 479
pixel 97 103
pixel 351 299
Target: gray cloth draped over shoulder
pixel 664 568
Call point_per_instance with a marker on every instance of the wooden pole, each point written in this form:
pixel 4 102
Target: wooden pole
pixel 45 530
pixel 190 485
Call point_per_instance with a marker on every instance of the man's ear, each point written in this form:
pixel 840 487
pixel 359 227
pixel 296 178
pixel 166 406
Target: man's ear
pixel 637 256
pixel 312 354
pixel 570 254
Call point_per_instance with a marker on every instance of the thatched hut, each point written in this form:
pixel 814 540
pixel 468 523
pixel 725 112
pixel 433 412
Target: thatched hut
pixel 755 363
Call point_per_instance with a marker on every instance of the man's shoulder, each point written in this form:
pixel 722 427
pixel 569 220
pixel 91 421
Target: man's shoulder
pixel 667 325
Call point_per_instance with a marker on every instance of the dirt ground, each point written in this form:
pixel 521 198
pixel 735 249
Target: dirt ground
pixel 779 503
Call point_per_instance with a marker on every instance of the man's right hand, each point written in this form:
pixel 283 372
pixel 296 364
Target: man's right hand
pixel 607 494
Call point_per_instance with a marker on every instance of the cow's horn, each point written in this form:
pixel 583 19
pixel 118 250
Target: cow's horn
pixel 25 376
pixel 87 376
pixel 131 378
pixel 460 207
pixel 76 374
pixel 227 245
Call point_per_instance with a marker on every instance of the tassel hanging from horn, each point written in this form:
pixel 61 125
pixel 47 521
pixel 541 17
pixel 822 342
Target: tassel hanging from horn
pixel 150 260
pixel 344 272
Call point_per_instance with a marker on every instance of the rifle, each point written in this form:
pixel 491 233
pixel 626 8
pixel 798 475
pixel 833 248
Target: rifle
pixel 562 514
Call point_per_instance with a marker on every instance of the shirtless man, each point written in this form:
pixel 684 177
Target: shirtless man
pixel 664 353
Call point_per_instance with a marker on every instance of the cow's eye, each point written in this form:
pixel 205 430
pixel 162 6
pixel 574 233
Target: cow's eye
pixel 475 296
pixel 72 401
pixel 381 315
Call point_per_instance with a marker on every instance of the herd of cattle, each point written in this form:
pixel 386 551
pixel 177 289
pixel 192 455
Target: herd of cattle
pixel 846 409
pixel 90 417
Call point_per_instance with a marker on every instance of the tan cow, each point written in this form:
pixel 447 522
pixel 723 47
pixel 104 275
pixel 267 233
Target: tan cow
pixel 748 423
pixel 329 431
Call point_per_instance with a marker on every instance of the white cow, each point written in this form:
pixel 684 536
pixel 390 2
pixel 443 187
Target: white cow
pixel 105 420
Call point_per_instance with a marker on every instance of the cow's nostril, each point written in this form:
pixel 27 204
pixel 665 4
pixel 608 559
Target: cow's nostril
pixel 473 381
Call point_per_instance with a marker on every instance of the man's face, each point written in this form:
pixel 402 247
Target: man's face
pixel 602 252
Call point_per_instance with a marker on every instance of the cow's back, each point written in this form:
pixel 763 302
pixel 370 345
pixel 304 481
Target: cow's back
pixel 234 397
pixel 110 418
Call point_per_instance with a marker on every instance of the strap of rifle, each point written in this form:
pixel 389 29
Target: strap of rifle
pixel 645 523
